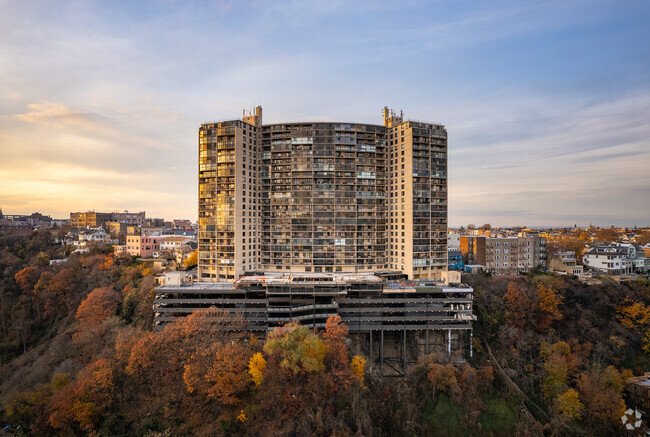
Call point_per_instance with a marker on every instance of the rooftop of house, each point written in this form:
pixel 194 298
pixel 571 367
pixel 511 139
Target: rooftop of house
pixel 606 250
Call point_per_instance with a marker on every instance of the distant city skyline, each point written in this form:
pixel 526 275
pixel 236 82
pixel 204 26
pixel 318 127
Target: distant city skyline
pixel 546 103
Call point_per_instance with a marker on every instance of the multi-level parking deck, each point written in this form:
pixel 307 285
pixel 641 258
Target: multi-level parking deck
pixel 392 322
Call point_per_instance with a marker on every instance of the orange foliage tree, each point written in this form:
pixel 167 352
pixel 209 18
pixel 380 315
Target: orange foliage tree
pixel 98 305
pixel 219 372
pixel 548 306
pixel 444 378
pixel 518 305
pixel 27 278
pixel 337 358
pixel 601 391
pixel 633 314
pixel 82 405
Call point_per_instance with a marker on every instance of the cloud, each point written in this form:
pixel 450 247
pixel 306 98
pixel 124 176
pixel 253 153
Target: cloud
pixel 86 124
pixel 57 116
pixel 545 102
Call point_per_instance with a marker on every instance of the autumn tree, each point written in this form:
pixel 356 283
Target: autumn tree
pixel 219 372
pixel 549 301
pixel 41 260
pixel 556 368
pixel 569 404
pixel 471 393
pixel 607 234
pixel 337 358
pixel 518 305
pixel 357 367
pixel 27 278
pixel 94 392
pixel 109 262
pixel 643 238
pixel 633 314
pixel 256 366
pixel 601 392
pixel 192 260
pixel 443 378
pixel 299 349
pixel 61 415
pixel 98 305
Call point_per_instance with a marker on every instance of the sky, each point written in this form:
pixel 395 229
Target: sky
pixel 546 103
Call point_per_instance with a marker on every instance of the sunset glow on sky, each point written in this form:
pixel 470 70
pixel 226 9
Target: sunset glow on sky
pixel 547 103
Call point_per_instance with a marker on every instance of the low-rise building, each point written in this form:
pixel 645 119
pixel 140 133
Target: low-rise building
pixel 609 259
pixel 646 251
pixel 154 222
pixel 91 219
pixel 120 250
pixel 181 223
pixel 10 227
pixel 501 255
pixel 149 231
pixel 184 251
pixel 94 236
pixel 565 262
pixel 637 256
pixel 531 251
pixel 85 238
pixel 505 254
pixel 129 218
pixel 473 249
pixel 116 228
pixel 453 241
pixel 133 245
pixel 144 246
pixel 473 268
pixel 455 260
pixel 173 242
pixel 189 232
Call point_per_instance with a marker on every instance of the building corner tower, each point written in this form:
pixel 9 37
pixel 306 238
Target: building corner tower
pixel 229 225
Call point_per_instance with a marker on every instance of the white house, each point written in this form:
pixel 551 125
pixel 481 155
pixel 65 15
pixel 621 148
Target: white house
pixel 612 260
pixel 174 242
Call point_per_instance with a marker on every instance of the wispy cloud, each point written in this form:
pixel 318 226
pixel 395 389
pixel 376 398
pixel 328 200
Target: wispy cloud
pixel 86 124
pixel 546 102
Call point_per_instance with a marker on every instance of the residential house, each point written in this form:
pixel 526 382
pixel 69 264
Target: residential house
pixel 565 262
pixel 609 259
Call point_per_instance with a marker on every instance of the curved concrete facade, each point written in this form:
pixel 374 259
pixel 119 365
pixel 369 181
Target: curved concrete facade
pixel 323 197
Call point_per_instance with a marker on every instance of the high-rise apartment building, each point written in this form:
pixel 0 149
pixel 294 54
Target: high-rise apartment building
pixel 304 221
pixel 229 198
pixel 322 197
